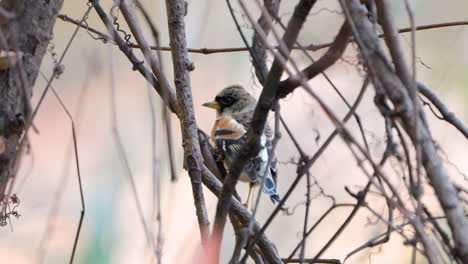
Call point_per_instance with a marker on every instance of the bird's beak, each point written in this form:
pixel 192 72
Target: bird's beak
pixel 213 105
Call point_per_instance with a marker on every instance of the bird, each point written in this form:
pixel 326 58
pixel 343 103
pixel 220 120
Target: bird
pixel 234 107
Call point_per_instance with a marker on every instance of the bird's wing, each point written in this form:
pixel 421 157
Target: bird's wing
pixel 229 134
pixel 272 181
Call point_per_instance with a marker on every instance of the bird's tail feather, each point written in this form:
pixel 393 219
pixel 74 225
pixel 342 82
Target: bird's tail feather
pixel 269 187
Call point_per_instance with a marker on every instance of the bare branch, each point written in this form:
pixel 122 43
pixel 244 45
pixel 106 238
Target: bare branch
pixel 333 261
pixel 334 53
pixel 193 159
pixel 208 51
pixel 137 65
pixel 267 248
pixel 447 115
pixel 265 102
pixel 391 38
pixel 258 53
pixel 78 174
pixel 386 82
pixel 117 138
pixel 160 70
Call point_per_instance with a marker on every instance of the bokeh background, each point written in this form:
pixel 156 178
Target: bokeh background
pixel 112 230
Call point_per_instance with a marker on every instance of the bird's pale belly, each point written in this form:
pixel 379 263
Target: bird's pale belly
pixel 243 177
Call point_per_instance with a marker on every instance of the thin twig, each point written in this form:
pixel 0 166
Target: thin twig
pixel 256 58
pixel 267 248
pixel 448 116
pixel 440 231
pixel 361 200
pixel 166 92
pixel 277 136
pixel 208 51
pixel 310 261
pixel 78 173
pixel 157 214
pixel 155 162
pixel 124 160
pixel 306 218
pixel 63 180
pixel 166 114
pixel 156 67
pixel 374 241
pixel 332 55
pixel 316 224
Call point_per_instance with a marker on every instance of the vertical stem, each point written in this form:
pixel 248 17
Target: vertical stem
pixel 193 160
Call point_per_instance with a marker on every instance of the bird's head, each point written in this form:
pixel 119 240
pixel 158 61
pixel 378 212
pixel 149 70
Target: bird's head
pixel 232 100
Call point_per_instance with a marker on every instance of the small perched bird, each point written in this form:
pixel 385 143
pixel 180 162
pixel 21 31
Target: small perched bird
pixel 234 110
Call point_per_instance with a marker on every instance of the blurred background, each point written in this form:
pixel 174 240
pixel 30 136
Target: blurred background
pixel 112 232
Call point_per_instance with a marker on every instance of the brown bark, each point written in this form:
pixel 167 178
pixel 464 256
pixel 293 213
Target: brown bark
pixel 193 159
pixel 29 32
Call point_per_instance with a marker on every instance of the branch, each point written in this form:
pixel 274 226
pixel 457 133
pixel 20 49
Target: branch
pixel 267 248
pixel 391 38
pixel 334 53
pixel 267 97
pixel 310 261
pixel 156 67
pixel 193 159
pixel 258 65
pixel 265 245
pixel 360 201
pixel 386 82
pixel 171 101
pixel 258 53
pixel 208 51
pixel 302 170
pixel 443 235
pixel 448 116
pixel 316 224
pixel 375 240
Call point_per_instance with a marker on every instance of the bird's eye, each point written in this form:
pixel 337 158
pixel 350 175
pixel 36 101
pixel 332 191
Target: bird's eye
pixel 226 100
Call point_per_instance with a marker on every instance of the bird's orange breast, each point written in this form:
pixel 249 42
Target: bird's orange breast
pixel 227 127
